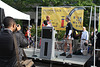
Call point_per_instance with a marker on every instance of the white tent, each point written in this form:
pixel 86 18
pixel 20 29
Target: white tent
pixel 9 11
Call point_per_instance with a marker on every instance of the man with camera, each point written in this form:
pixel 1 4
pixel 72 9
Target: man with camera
pixel 7 49
pixel 21 40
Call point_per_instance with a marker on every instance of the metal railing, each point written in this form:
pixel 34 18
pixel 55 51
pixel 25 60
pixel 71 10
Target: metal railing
pixel 95 35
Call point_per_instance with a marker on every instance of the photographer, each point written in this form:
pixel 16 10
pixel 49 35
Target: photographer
pixel 21 40
pixel 7 49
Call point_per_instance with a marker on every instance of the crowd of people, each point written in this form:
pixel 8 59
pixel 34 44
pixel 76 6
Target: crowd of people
pixel 71 38
pixel 71 34
pixel 79 43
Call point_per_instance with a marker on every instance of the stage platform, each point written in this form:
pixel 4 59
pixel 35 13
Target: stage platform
pixel 76 59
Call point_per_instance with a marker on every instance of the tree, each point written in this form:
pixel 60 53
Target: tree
pixel 22 5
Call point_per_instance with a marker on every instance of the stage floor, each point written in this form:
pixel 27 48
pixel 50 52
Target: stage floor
pixel 76 59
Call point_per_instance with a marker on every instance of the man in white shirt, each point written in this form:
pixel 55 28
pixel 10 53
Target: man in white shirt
pixel 84 40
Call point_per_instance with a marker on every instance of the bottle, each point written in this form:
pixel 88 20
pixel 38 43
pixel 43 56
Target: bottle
pixel 62 22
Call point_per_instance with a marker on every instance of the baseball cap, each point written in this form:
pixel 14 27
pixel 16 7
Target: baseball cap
pixel 30 26
pixel 68 17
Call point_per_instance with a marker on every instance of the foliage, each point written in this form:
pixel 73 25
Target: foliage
pixel 60 35
pixel 39 32
pixel 19 22
pixel 33 30
pixel 22 5
pixel 97 2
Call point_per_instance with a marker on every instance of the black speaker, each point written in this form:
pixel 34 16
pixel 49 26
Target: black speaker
pixel 2 15
pixel 47 32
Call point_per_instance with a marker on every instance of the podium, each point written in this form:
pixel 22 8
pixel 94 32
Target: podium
pixel 47 50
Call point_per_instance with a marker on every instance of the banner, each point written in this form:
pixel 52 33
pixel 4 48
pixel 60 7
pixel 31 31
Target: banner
pixel 58 16
pixel 99 21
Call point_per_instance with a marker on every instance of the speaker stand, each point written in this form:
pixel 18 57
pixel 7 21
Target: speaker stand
pixel 34 53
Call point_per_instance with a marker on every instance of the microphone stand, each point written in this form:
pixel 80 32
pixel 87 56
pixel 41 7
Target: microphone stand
pixel 34 53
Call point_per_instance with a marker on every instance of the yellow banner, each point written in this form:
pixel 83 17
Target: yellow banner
pixel 58 16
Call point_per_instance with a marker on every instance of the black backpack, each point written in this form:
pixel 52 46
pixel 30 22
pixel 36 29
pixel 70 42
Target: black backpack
pixel 78 52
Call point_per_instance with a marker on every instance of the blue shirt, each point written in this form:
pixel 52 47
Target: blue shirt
pixel 85 35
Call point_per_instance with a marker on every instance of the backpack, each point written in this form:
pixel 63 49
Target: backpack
pixel 78 52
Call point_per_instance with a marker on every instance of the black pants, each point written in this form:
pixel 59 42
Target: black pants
pixel 8 63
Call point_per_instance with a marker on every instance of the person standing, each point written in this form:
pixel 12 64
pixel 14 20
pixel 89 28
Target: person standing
pixel 84 40
pixel 47 22
pixel 28 32
pixel 28 35
pixel 68 39
pixel 7 50
pixel 75 41
pixel 21 41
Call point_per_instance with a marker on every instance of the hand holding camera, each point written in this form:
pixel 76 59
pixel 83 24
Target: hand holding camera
pixel 18 27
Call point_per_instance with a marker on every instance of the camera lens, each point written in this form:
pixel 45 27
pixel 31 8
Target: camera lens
pixel 17 25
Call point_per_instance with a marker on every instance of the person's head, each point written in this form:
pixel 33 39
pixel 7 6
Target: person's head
pixel 91 33
pixel 10 23
pixel 67 18
pixel 30 27
pixel 84 28
pixel 48 18
pixel 18 27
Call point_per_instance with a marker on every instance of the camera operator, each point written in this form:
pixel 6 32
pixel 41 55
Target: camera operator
pixel 21 40
pixel 7 47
